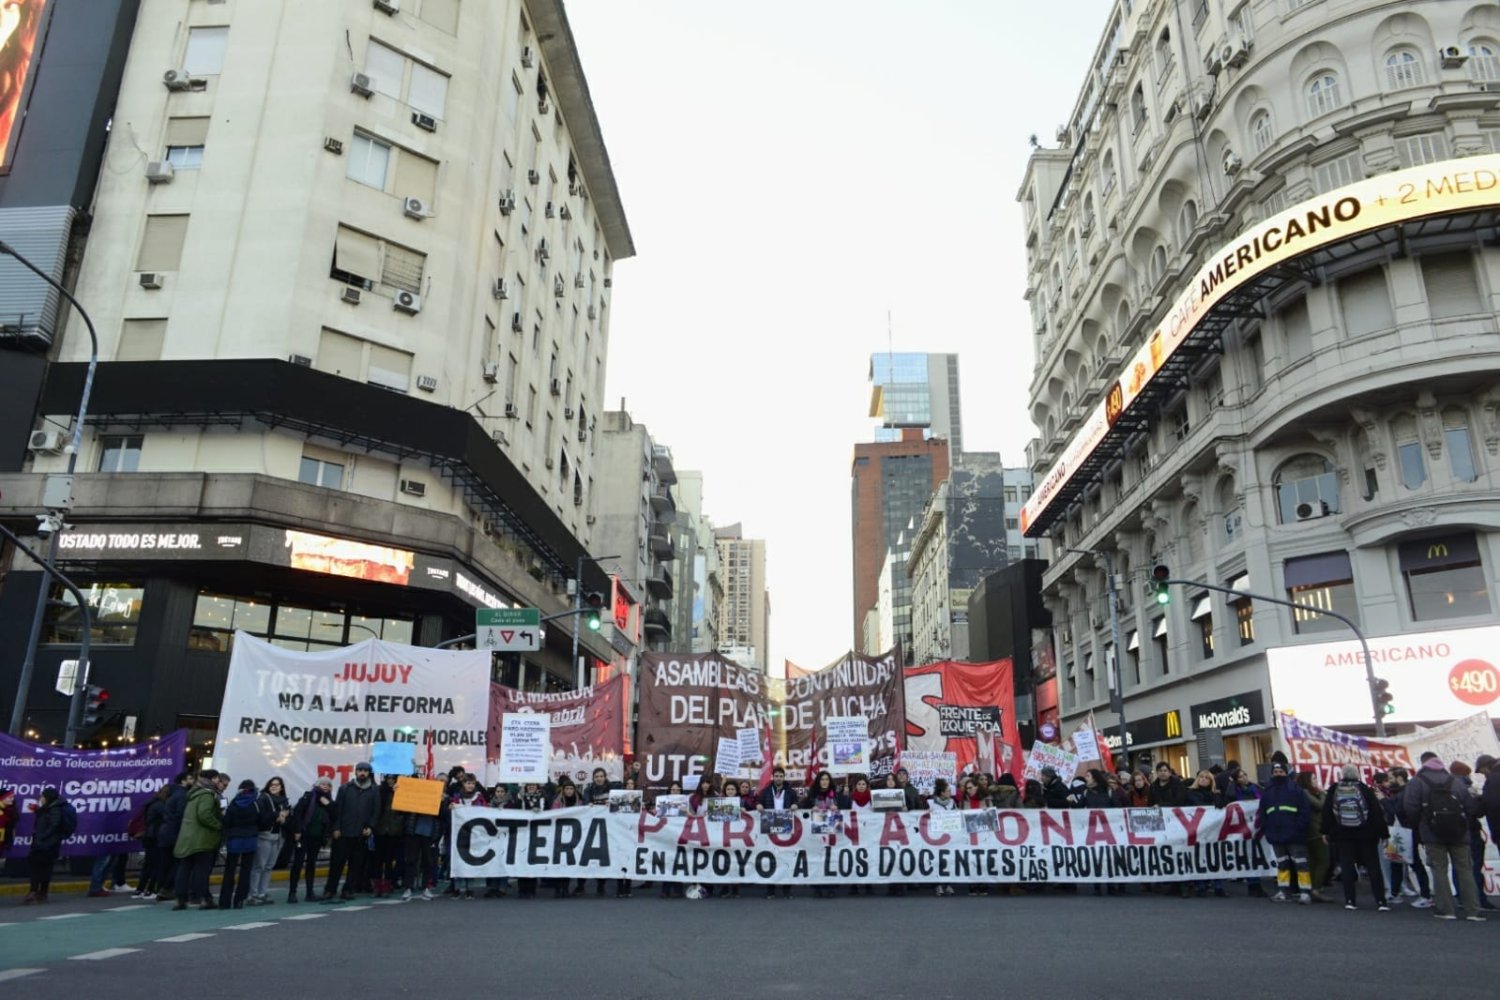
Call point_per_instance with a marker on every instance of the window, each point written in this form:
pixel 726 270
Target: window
pixel 1306 487
pixel 1110 176
pixel 341 354
pixel 1187 219
pixel 386 69
pixel 1458 446
pixel 318 472
pixel 369 161
pixel 1444 577
pixel 389 368
pixel 161 243
pixel 1012 524
pixel 216 619
pixel 1451 286
pixel 1163 56
pixel 1326 583
pixel 1428 147
pixel 1244 612
pixel 1337 173
pixel 1296 329
pixel 513 100
pixel 1365 303
pixel 1260 131
pixel 1323 94
pixel 1203 620
pixel 184 142
pixel 1409 452
pixel 120 452
pixel 1159 640
pixel 427 90
pixel 141 340
pixel 1484 64
pixel 1133 651
pixel 1137 110
pixel 441 14
pixel 1403 69
pixel 416 176
pixel 205 51
pixel 114 614
pixel 1255 361
pixel 363 260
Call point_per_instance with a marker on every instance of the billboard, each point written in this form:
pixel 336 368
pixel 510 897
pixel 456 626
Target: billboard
pixel 20 37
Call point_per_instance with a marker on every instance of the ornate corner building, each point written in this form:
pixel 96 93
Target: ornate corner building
pixel 1264 281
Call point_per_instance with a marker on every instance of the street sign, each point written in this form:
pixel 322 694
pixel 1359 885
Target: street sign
pixel 68 679
pixel 508 630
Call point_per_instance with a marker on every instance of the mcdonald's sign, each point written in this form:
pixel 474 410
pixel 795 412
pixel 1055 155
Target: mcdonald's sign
pixel 1424 554
pixel 1438 551
pixel 1150 731
pixel 1174 725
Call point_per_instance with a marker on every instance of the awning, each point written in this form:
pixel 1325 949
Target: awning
pixel 1160 630
pixel 1135 641
pixel 1201 607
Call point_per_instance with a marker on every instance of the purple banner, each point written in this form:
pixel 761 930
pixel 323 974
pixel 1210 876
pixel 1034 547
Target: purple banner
pixel 106 787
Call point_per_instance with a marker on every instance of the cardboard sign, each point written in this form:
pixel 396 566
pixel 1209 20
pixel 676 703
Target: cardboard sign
pixel 418 795
pixel 750 751
pixel 1046 755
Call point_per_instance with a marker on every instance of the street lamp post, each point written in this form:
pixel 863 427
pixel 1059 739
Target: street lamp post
pixel 54 519
pixel 80 677
pixel 1116 675
pixel 578 605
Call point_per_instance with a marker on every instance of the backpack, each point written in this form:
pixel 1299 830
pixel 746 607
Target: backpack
pixel 1445 814
pixel 1349 806
pixel 69 820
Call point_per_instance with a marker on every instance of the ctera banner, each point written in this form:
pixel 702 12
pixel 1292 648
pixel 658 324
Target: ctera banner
pixel 309 715
pixel 1032 846
pixel 105 787
pixel 588 726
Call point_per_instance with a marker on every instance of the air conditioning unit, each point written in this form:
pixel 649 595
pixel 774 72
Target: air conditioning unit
pixel 1307 511
pixel 516 325
pixel 568 413
pixel 590 519
pixel 532 177
pixel 499 290
pixel 491 370
pixel 583 434
pixel 300 360
pixel 414 208
pixel 159 172
pixel 542 253
pixel 408 302
pixel 45 442
pixel 528 57
pixel 179 79
pixel 549 211
pixel 1232 163
pixel 1214 61
pixel 559 287
pixel 1453 57
pixel 564 212
pixel 427 383
pixel 507 202
pixel 359 83
pixel 609 282
pixel 499 438
pixel 350 295
pixel 555 387
pixel 512 411
pixel 543 106
pixel 150 279
pixel 551 462
pixel 388 6
pixel 1238 53
pixel 578 280
pixel 424 121
pixel 593 312
pixel 1202 107
pixel 413 488
pixel 334 146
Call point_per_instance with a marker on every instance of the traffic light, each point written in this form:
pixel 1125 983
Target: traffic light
pixel 1383 696
pixel 93 707
pixel 1158 584
pixel 593 603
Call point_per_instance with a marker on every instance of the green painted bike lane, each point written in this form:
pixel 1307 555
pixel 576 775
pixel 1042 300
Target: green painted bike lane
pixel 32 936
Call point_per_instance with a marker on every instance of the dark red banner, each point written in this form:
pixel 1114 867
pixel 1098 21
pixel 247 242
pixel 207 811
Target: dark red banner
pixel 588 726
pixel 967 709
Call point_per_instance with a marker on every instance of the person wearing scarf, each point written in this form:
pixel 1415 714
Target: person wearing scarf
pixel 309 825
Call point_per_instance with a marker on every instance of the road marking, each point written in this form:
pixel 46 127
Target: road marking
pixel 183 938
pixel 306 916
pixel 250 926
pixel 7 925
pixel 95 956
pixel 127 909
pixel 63 916
pixel 388 902
pixel 10 974
pixel 349 909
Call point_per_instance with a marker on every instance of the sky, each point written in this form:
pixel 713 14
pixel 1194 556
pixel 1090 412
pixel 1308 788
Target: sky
pixel 793 174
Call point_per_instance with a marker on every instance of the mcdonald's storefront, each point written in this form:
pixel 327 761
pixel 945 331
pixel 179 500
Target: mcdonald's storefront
pixel 1153 739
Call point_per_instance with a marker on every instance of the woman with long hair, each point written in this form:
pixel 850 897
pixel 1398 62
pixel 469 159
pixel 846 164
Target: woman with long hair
pixel 1204 792
pixel 942 800
pixel 731 790
pixel 1138 795
pixel 671 890
pixel 567 798
pixel 151 866
pixel 271 811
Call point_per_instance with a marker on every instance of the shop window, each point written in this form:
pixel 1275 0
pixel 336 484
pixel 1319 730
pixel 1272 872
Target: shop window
pixel 114 614
pixel 216 618
pixel 1326 583
pixel 120 452
pixel 1444 577
pixel 1306 487
pixel 1203 620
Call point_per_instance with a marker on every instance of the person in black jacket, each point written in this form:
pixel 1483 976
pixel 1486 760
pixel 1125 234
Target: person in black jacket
pixel 151 864
pixel 310 823
pixel 1204 792
pixel 913 797
pixel 1489 798
pixel 355 812
pixel 1168 789
pixel 778 795
pixel 241 828
pixel 166 838
pixel 46 842
pixel 271 811
pixel 1354 824
pixel 1055 794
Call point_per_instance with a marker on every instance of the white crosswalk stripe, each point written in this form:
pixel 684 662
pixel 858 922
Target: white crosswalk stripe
pixel 250 926
pixel 183 938
pixel 306 916
pixel 127 909
pixel 10 974
pixel 95 956
pixel 63 916
pixel 348 909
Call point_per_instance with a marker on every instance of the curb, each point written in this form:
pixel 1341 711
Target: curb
pixel 280 875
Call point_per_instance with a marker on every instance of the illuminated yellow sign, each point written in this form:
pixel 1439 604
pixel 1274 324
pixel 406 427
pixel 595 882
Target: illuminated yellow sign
pixel 1445 188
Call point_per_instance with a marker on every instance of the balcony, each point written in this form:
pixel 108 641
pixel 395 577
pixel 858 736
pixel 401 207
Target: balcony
pixel 661 462
pixel 662 502
pixel 658 625
pixel 661 541
pixel 660 582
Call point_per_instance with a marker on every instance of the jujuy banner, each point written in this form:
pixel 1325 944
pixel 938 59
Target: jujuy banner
pixel 818 847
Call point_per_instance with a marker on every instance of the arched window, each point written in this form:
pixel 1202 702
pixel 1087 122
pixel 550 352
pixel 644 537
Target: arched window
pixel 1137 110
pixel 1158 263
pixel 1458 446
pixel 1110 176
pixel 1306 487
pixel 1088 214
pixel 1404 69
pixel 1187 218
pixel 1122 320
pixel 1072 247
pixel 1230 513
pixel 1323 94
pixel 1192 533
pixel 1260 130
pixel 1409 452
pixel 1484 64
pixel 1163 54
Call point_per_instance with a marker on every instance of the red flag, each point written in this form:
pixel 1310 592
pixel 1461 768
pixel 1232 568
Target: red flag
pixel 768 758
pixel 814 765
pixel 1104 754
pixel 429 753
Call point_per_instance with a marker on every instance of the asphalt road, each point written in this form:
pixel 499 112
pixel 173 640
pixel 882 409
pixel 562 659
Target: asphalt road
pixel 920 946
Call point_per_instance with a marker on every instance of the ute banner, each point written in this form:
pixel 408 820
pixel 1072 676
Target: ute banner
pixel 967 709
pixel 588 727
pixel 105 787
pixel 308 715
pixel 1008 845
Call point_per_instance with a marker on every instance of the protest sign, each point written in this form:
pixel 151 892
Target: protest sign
pixel 924 767
pixel 887 799
pixel 387 757
pixel 525 746
pixel 309 715
pixel 750 750
pixel 423 796
pixel 587 726
pixel 1086 744
pixel 967 709
pixel 105 787
pixel 1325 751
pixel 848 744
pixel 727 756
pixel 1463 739
pixel 1046 755
pixel 673 805
pixel 722 810
pixel 1030 846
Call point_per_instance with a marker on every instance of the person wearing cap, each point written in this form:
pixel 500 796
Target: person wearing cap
pixel 241 831
pixel 354 814
pixel 1445 833
pixel 1284 818
pixel 310 823
pixel 198 842
pixel 1354 824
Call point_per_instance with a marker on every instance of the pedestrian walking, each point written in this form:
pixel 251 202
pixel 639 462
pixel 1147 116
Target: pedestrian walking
pixel 1439 806
pixel 1354 824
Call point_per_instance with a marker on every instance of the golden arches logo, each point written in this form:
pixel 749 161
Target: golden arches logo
pixel 1438 551
pixel 1174 724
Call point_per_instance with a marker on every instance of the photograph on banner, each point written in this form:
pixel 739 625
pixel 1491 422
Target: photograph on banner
pixel 422 796
pixel 777 822
pixel 1040 846
pixel 525 747
pixel 1047 755
pixel 587 726
pixel 854 686
pixel 924 767
pixel 826 821
pixel 980 820
pixel 626 800
pixel 722 810
pixel 306 715
pixel 887 799
pixel 967 709
pixel 674 805
pixel 107 788
pixel 1145 820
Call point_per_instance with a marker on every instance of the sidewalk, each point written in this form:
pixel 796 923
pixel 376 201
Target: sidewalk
pixel 19 887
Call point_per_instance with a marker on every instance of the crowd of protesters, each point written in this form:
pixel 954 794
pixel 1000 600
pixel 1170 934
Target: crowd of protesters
pixel 1317 835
